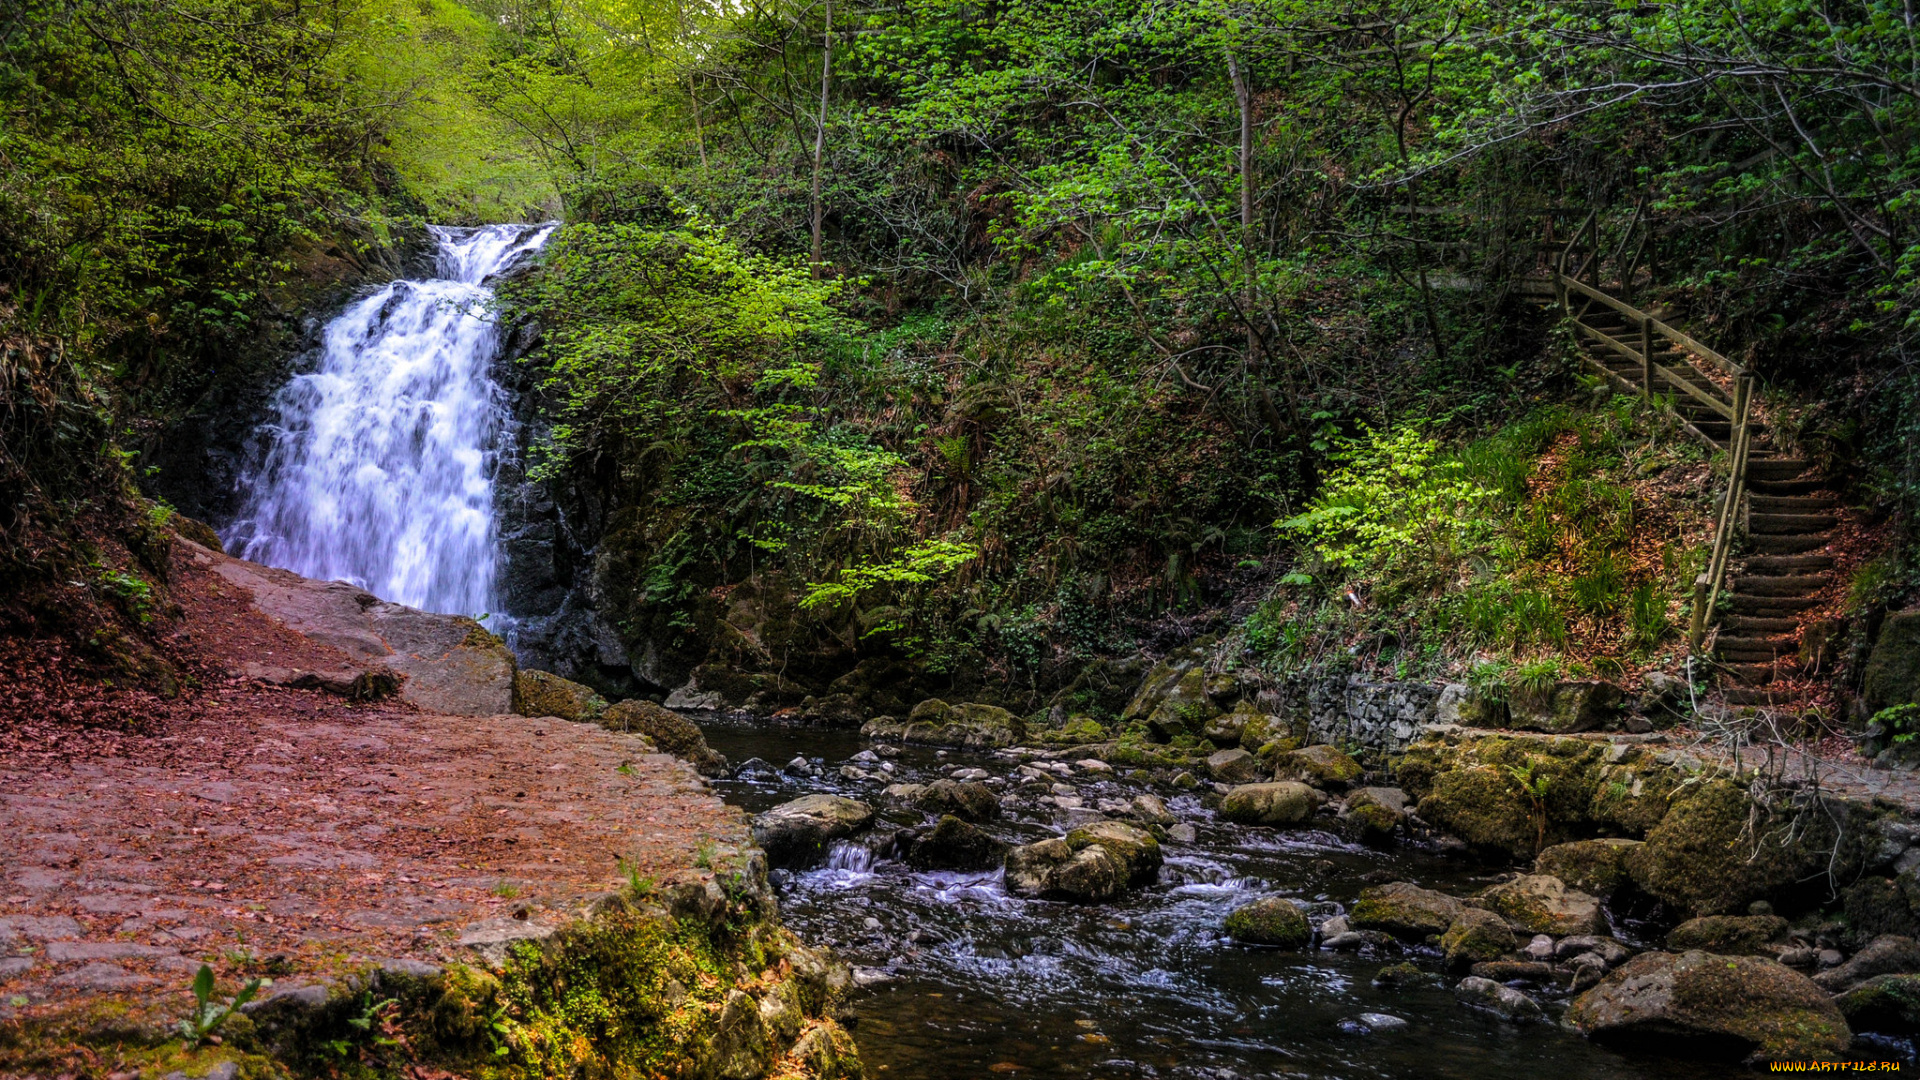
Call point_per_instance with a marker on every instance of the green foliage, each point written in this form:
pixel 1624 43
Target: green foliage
pixel 1395 503
pixel 208 1014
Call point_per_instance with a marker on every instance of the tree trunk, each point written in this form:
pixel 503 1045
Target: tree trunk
pixel 820 132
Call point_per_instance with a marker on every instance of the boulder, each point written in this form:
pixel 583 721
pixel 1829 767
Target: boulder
pixel 1542 904
pixel 1150 809
pixel 969 800
pixel 1727 935
pixel 1029 865
pixel 541 693
pixel 1886 1004
pixel 954 844
pixel 1286 803
pixel 1463 705
pixel 1054 870
pixel 797 833
pixel 1592 866
pixel 1475 937
pixel 1185 709
pixel 1227 728
pixel 1565 707
pixel 1498 998
pixel 1877 905
pixel 1374 814
pixel 1271 920
pixel 671 732
pixel 1507 971
pixel 971 726
pixel 1405 910
pixel 1481 805
pixel 1705 857
pixel 1892 675
pixel 1731 1007
pixel 1135 848
pixel 1888 954
pixel 1234 766
pixel 1400 976
pixel 1324 767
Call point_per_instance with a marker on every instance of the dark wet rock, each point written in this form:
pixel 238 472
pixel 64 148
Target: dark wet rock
pixel 1606 948
pixel 1889 954
pixel 1372 1023
pixel 1401 976
pixel 1729 1007
pixel 1508 971
pixel 1892 675
pixel 954 844
pixel 541 693
pixel 1324 767
pixel 1498 998
pixel 798 833
pixel 1029 865
pixel 1234 766
pixel 1598 867
pixel 1284 803
pixel 1542 904
pixel 1887 1004
pixel 1876 905
pixel 1270 920
pixel 972 726
pixel 1135 848
pixel 1728 935
pixel 671 732
pixel 1150 810
pixel 1565 707
pixel 1405 910
pixel 968 800
pixel 1092 874
pixel 1178 697
pixel 1475 937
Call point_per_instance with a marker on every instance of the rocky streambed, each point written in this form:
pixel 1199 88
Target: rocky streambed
pixel 1027 910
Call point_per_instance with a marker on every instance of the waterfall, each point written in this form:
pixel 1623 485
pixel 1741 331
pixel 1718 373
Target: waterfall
pixel 378 464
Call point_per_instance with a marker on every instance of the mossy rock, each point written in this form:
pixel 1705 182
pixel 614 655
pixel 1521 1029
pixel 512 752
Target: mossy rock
pixel 541 693
pixel 1727 935
pixel 1892 675
pixel 1135 847
pixel 1405 910
pixel 1400 976
pixel 1704 857
pixel 1732 1007
pixel 1273 921
pixel 1876 906
pixel 1475 937
pixel 1371 822
pixel 954 844
pixel 1565 707
pixel 1633 796
pixel 1482 806
pixel 1592 866
pixel 1884 1004
pixel 1542 904
pixel 1324 767
pixel 672 733
pixel 1185 709
pixel 1286 803
pixel 968 725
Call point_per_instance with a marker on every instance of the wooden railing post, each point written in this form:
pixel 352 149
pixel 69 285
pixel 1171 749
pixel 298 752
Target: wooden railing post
pixel 1646 355
pixel 1697 625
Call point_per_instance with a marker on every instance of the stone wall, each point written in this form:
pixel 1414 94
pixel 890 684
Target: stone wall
pixel 1354 711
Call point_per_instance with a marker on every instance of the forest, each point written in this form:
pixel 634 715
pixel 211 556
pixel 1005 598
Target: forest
pixel 1161 378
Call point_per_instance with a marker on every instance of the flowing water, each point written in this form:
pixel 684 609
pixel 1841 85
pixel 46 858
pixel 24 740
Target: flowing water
pixel 964 980
pixel 378 464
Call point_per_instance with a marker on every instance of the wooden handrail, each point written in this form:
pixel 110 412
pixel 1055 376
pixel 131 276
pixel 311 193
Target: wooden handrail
pixel 1635 314
pixel 1738 451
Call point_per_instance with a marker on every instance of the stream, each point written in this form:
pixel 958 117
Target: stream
pixel 961 979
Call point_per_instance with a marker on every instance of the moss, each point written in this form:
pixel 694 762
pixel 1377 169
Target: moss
pixel 540 693
pixel 1727 935
pixel 1592 866
pixel 1482 806
pixel 1474 937
pixel 1711 854
pixel 1273 920
pixel 1887 1004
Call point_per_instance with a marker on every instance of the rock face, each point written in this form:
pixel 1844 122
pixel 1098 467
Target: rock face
pixel 671 732
pixel 1475 937
pixel 1273 920
pixel 1285 803
pixel 1592 866
pixel 540 693
pixel 444 664
pixel 1324 767
pixel 1542 904
pixel 1728 1007
pixel 1893 667
pixel 1565 707
pixel 1727 935
pixel 797 833
pixel 974 727
pixel 1405 910
pixel 954 844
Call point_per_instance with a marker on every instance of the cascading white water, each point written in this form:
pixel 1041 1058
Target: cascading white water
pixel 379 463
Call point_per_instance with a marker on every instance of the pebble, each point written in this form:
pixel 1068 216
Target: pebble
pixel 870 923
pixel 1095 765
pixel 865 757
pixel 1183 833
pixel 1065 789
pixel 1371 1023
pixel 798 765
pixel 965 775
pixel 1540 948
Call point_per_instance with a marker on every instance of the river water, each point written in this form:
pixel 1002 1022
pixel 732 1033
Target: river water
pixel 378 464
pixel 965 980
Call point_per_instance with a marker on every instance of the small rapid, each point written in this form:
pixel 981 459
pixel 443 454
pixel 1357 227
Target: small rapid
pixel 378 464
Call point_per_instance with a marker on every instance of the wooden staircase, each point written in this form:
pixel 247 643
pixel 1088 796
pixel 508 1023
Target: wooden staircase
pixel 1790 513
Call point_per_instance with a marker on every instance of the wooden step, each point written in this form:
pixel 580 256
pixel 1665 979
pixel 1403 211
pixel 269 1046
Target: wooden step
pixel 1753 650
pixel 1757 624
pixel 1790 524
pixel 1787 564
pixel 1747 674
pixel 1771 607
pixel 1790 504
pixel 1761 698
pixel 1779 584
pixel 1761 485
pixel 1776 469
pixel 1786 543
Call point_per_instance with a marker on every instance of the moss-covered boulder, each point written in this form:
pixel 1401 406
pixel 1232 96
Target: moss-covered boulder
pixel 1888 954
pixel 1476 937
pixel 1730 1007
pixel 1405 910
pixel 1135 847
pixel 798 833
pixel 936 723
pixel 1727 935
pixel 954 844
pixel 1565 707
pixel 671 732
pixel 1272 921
pixel 1876 906
pixel 1892 675
pixel 1884 1004
pixel 1234 766
pixel 1288 803
pixel 1705 856
pixel 1542 904
pixel 1029 866
pixel 967 800
pixel 1374 814
pixel 1184 710
pixel 1483 806
pixel 1324 767
pixel 542 693
pixel 1592 866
